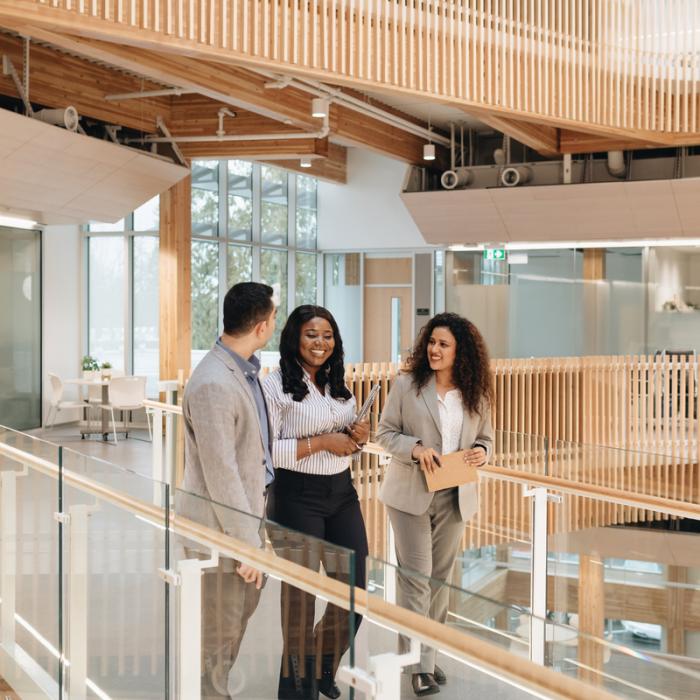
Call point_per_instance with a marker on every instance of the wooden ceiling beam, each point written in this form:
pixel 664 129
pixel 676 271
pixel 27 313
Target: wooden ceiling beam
pixel 268 149
pixel 243 89
pixel 333 168
pixel 578 142
pixel 195 115
pixel 541 138
pixel 58 80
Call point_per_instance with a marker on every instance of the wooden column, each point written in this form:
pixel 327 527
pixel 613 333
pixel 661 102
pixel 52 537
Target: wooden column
pixel 591 615
pixel 593 271
pixel 674 626
pixel 175 280
pixel 594 263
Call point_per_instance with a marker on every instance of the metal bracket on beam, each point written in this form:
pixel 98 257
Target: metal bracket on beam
pixel 175 92
pixel 111 130
pixel 9 69
pixel 25 66
pixel 166 132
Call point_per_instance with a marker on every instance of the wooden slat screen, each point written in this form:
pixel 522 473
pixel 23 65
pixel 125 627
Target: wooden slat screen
pixel 617 64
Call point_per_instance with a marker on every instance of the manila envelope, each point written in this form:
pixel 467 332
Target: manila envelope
pixel 453 472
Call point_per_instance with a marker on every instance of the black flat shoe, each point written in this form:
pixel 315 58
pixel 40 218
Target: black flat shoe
pixel 424 684
pixel 439 675
pixel 328 687
pixel 327 684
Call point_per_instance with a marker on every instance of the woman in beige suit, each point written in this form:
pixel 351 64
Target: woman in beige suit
pixel 441 405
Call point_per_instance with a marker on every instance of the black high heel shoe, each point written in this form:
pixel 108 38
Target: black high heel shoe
pixel 424 684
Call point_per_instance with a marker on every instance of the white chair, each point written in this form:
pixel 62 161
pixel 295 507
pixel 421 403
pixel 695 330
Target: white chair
pixel 126 394
pixel 56 402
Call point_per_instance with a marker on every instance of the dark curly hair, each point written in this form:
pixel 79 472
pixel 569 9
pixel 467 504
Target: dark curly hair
pixel 332 372
pixel 471 372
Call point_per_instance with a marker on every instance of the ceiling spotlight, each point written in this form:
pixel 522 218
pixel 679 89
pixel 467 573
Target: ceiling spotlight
pixel 429 151
pixel 319 107
pixel 305 162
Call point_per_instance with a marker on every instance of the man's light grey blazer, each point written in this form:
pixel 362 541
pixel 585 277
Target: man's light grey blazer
pixel 224 452
pixel 408 417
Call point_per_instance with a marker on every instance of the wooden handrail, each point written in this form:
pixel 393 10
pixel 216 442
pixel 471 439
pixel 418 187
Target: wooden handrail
pixel 165 407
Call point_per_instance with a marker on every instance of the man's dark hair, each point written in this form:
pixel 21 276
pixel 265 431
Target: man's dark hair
pixel 245 305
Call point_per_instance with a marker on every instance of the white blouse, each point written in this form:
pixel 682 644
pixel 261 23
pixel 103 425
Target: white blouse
pixel 451 412
pixel 317 413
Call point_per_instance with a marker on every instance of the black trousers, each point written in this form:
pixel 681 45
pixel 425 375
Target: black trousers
pixel 327 508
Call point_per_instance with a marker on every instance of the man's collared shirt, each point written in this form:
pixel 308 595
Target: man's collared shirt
pixel 251 370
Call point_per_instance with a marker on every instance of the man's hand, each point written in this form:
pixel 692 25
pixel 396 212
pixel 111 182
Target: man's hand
pixel 476 457
pixel 250 575
pixel 427 457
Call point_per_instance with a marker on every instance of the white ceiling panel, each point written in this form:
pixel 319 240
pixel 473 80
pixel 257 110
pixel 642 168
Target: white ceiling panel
pixel 55 176
pixel 577 212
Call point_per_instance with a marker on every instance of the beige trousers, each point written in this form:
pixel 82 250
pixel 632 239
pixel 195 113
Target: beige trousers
pixel 227 604
pixel 426 549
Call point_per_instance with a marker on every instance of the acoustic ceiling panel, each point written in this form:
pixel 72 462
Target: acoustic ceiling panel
pixel 577 212
pixel 54 176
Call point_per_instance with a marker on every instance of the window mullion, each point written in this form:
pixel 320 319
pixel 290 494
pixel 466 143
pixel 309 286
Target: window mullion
pixel 222 230
pixel 129 303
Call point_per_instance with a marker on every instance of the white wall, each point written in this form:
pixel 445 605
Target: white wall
pixel 366 212
pixel 62 310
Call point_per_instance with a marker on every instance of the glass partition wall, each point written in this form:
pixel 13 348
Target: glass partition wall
pixel 547 303
pixel 20 328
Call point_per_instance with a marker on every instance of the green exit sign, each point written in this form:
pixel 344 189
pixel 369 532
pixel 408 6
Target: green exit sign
pixel 495 254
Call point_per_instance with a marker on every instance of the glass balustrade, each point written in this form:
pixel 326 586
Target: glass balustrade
pixel 104 575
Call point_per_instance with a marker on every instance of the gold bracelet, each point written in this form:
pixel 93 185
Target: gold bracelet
pixel 308 444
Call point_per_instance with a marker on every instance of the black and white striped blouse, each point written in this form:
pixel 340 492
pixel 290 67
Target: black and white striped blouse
pixel 292 420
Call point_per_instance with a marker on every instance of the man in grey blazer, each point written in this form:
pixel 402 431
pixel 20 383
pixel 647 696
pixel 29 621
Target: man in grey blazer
pixel 227 461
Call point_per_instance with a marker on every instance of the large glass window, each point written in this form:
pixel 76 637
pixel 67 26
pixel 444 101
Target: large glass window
pixel 274 205
pixel 146 359
pixel 123 297
pixel 147 216
pixel 273 271
pixel 205 296
pixel 306 212
pixel 265 231
pixel 305 270
pixel 107 299
pixel 240 200
pixel 205 198
pixel 240 264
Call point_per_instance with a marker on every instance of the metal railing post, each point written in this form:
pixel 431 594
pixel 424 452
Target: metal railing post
pixel 8 557
pixel 78 573
pixel 188 578
pixel 157 455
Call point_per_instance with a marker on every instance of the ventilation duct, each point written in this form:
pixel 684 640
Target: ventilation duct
pixel 515 175
pixel 456 179
pixel 616 163
pixel 67 117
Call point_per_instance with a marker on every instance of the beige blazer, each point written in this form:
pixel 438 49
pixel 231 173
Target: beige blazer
pixel 408 417
pixel 224 452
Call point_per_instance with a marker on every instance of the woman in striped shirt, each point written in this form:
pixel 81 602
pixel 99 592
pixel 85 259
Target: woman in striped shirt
pixel 312 416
